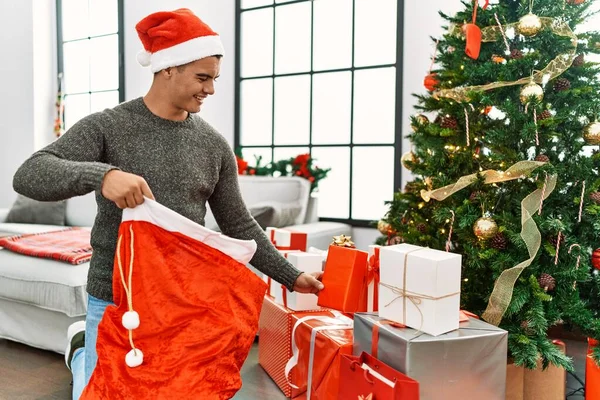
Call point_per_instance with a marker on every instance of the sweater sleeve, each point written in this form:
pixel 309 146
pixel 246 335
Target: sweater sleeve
pixel 71 166
pixel 235 221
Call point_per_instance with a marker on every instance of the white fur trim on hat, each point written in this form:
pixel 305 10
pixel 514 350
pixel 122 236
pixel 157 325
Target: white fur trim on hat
pixel 186 52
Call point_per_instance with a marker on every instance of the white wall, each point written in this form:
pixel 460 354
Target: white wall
pixel 220 16
pixel 16 93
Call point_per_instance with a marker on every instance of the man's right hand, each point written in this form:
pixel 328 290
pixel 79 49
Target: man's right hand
pixel 125 189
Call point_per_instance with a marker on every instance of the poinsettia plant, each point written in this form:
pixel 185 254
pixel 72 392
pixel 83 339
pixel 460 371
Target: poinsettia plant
pixel 302 165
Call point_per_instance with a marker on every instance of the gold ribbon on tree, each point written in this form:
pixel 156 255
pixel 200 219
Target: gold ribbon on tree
pixel 515 171
pixel 491 34
pixel 503 288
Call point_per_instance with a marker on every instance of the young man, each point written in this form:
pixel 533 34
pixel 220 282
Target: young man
pixel 151 147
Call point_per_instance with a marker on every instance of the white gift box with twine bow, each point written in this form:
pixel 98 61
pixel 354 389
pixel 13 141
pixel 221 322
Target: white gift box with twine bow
pixel 420 288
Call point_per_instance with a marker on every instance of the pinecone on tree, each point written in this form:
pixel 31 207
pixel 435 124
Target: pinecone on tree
pixel 475 196
pixel 421 227
pixel 516 54
pixel 544 115
pixel 525 325
pixel 562 84
pixel 542 158
pixel 412 187
pixel 595 196
pixel 579 61
pixel 499 242
pixel 547 282
pixel 448 123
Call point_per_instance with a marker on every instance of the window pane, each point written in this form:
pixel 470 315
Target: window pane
pixel 331 107
pixel 77 66
pixel 75 19
pixel 368 195
pixel 284 153
pixel 333 34
pixel 104 100
pixel 374 105
pixel 76 107
pixel 257 43
pixel 255 3
pixel 333 191
pixel 256 103
pixel 251 154
pixel 375 32
pixel 282 1
pixel 292 109
pixel 292 38
pixel 104 67
pixel 103 17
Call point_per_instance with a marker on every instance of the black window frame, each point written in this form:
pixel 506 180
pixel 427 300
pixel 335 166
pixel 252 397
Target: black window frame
pixel 398 137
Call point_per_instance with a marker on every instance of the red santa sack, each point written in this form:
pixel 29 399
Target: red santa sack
pixel 198 307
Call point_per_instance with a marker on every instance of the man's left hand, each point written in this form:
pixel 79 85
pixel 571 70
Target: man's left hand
pixel 309 283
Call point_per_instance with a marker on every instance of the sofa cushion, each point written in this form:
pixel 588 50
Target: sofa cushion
pixel 81 210
pixel 275 214
pixel 28 211
pixel 45 283
pixel 21 229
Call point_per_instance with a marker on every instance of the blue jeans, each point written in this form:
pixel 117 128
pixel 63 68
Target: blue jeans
pixel 84 359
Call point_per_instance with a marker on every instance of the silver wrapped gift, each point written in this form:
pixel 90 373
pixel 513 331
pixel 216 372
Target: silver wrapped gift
pixel 469 363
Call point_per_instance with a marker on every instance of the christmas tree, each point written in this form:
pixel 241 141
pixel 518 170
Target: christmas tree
pixel 506 172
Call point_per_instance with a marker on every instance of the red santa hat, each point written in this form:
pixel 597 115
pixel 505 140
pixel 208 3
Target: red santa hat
pixel 173 38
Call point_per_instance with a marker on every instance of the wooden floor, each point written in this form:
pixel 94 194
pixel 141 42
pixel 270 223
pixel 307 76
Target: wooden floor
pixel 31 374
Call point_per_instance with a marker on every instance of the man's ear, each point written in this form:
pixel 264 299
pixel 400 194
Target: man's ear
pixel 167 72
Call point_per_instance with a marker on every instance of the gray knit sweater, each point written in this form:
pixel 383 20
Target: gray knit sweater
pixel 186 163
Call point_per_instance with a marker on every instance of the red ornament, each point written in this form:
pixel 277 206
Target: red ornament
pixel 431 82
pixel 576 2
pixel 596 258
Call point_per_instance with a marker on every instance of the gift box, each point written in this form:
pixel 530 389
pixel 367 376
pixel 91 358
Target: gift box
pixel 305 262
pixel 285 239
pixel 365 377
pixel 275 341
pixel 467 363
pixel 345 280
pixel 592 373
pixel 373 277
pixel 420 288
pixel 319 342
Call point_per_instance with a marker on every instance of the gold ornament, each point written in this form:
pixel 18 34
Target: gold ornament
pixel 532 89
pixel 384 227
pixel 529 25
pixel 408 156
pixel 420 119
pixel 485 228
pixel 343 241
pixel 591 134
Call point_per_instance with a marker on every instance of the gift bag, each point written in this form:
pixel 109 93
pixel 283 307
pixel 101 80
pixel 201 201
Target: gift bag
pixel 366 376
pixel 185 314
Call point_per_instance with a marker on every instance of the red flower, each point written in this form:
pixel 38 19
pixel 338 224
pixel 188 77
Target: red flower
pixel 302 159
pixel 311 179
pixel 252 171
pixel 241 165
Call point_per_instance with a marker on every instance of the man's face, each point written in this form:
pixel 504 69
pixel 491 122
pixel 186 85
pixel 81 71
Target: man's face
pixel 191 84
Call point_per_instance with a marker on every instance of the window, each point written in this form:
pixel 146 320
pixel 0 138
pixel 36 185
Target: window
pixel 90 55
pixel 324 76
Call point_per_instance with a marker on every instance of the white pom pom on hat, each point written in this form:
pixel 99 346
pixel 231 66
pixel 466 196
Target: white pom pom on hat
pixel 143 58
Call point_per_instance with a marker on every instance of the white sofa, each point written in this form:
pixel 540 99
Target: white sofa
pixel 40 298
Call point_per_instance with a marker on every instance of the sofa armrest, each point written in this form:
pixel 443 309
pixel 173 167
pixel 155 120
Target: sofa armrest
pixel 4 214
pixel 320 234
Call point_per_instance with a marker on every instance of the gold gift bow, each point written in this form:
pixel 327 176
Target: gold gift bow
pixel 415 298
pixel 555 68
pixel 503 288
pixel 515 171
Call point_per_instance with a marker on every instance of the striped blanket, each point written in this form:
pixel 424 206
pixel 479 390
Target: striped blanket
pixel 71 245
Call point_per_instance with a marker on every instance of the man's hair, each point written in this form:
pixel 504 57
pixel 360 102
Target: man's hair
pixel 181 68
